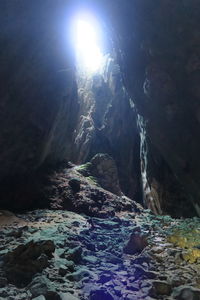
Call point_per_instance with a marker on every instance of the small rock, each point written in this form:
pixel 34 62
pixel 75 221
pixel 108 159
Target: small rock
pixel 90 259
pixel 80 274
pixel 100 295
pixel 161 288
pixel 40 285
pixel 75 254
pixel 67 296
pixel 105 278
pixel 70 265
pixel 62 270
pixel 186 293
pixel 118 291
pixel 132 296
pixel 52 295
pixel 114 259
pixel 136 243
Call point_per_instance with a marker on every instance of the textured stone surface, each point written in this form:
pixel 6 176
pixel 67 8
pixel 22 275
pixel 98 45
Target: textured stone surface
pixel 159 57
pixel 104 270
pixel 38 88
pixel 25 261
pixel 104 169
pixel 157 49
pixel 107 124
pixel 137 242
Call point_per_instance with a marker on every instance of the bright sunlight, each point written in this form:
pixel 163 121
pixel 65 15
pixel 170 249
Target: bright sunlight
pixel 89 56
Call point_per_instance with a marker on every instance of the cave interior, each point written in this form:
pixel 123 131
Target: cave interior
pixel 100 150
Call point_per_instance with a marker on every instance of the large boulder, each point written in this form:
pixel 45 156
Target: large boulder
pixel 104 169
pixel 21 264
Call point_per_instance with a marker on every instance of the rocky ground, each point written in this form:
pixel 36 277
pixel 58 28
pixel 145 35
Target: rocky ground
pixel 112 250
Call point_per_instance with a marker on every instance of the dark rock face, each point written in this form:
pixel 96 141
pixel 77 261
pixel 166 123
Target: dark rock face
pixel 104 169
pixel 162 191
pixel 40 107
pixel 38 88
pixel 107 124
pixel 159 57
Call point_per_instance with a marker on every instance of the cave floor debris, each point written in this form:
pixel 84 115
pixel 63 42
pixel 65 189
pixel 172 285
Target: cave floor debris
pixel 89 261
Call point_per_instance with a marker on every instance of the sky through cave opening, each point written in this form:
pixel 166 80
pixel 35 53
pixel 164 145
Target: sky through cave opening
pixel 87 43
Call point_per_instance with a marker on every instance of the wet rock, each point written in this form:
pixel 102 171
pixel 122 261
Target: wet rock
pixel 100 295
pixel 26 260
pixel 137 242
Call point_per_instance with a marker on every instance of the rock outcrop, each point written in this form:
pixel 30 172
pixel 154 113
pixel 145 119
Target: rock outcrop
pixel 21 264
pixel 107 124
pixel 158 51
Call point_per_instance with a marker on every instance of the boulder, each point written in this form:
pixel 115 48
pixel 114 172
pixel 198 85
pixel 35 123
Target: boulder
pixel 186 293
pixel 104 169
pixel 21 264
pixel 137 242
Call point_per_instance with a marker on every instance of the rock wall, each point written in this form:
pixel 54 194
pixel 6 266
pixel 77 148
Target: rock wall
pixel 107 124
pixel 38 87
pixel 157 64
pixel 158 43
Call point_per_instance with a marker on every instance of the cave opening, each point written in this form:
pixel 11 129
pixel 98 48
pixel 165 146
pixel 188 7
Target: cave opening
pixel 86 36
pixel 99 150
